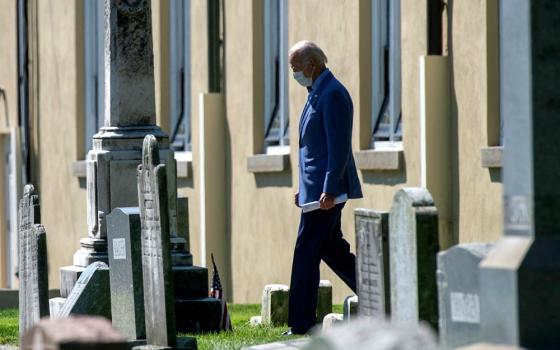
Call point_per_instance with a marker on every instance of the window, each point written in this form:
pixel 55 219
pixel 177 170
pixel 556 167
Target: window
pixel 94 70
pixel 276 121
pixel 386 71
pixel 180 75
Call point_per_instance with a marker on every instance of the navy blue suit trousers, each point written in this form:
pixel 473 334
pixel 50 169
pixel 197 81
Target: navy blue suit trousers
pixel 319 238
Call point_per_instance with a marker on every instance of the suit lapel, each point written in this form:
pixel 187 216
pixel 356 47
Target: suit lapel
pixel 312 99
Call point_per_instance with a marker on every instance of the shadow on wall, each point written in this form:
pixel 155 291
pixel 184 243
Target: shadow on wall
pixel 279 179
pixel 454 126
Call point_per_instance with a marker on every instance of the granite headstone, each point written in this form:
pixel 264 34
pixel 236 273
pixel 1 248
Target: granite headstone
pixel 458 293
pixel 372 262
pixel 33 269
pixel 125 259
pixel 413 245
pixel 90 295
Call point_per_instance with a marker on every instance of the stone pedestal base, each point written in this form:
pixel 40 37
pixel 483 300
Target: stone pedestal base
pixel 198 316
pixel 92 250
pixel 191 282
pixel 183 343
pixel 55 305
pixel 68 277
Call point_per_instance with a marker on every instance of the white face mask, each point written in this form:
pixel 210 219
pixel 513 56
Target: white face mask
pixel 302 79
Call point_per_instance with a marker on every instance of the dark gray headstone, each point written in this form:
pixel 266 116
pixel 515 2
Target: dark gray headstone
pixel 413 245
pixel 520 278
pixel 74 333
pixel 372 262
pixel 458 293
pixel 90 295
pixel 33 269
pixel 125 260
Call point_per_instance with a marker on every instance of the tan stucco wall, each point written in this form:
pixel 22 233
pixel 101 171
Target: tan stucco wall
pixel 8 105
pixel 63 200
pixel 477 190
pixel 261 221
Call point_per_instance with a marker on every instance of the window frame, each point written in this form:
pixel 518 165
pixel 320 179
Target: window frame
pixel 386 72
pixel 275 75
pixel 180 75
pixel 94 71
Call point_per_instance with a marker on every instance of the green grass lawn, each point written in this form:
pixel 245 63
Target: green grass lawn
pixel 243 333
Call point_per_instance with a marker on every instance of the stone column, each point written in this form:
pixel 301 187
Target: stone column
pixel 520 278
pixel 117 147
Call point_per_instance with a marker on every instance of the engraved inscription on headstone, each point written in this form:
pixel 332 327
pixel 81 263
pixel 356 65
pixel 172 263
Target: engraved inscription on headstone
pixel 125 259
pixel 372 264
pixel 33 270
pixel 458 293
pixel 119 249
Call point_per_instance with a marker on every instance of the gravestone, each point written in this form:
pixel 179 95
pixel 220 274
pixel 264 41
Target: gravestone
pixel 520 277
pixel 372 262
pixel 33 269
pixel 331 320
pixel 125 259
pixel 324 300
pixel 413 245
pixel 375 334
pixel 73 333
pixel 350 308
pixel 159 295
pixel 458 293
pixel 90 295
pixel 274 304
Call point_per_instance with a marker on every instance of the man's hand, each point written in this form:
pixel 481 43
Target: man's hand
pixel 326 201
pixel 296 199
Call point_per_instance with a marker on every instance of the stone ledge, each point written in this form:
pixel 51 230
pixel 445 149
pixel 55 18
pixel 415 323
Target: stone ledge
pixel 382 159
pixel 79 168
pixel 491 157
pixel 268 163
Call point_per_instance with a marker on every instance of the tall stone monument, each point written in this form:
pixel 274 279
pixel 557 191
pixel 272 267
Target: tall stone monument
pixel 117 147
pixel 159 294
pixel 413 245
pixel 33 269
pixel 372 262
pixel 520 278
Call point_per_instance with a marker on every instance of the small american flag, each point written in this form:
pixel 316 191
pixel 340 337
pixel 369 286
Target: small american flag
pixel 217 292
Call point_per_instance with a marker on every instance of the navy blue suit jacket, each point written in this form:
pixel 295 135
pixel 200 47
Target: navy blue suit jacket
pixel 326 163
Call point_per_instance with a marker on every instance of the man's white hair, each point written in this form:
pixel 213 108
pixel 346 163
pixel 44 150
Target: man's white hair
pixel 307 50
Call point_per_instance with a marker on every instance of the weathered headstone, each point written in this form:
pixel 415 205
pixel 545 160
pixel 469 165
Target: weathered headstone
pixel 159 296
pixel 520 278
pixel 413 245
pixel 33 269
pixel 90 295
pixel 458 293
pixel 73 333
pixel 350 308
pixel 274 304
pixel 374 333
pixel 331 320
pixel 324 300
pixel 125 259
pixel 372 262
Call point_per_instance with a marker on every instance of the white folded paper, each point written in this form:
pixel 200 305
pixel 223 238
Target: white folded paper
pixel 307 207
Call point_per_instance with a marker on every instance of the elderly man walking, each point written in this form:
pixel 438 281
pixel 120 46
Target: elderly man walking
pixel 327 174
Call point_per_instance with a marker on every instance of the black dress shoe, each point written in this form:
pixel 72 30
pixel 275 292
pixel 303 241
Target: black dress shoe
pixel 292 331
